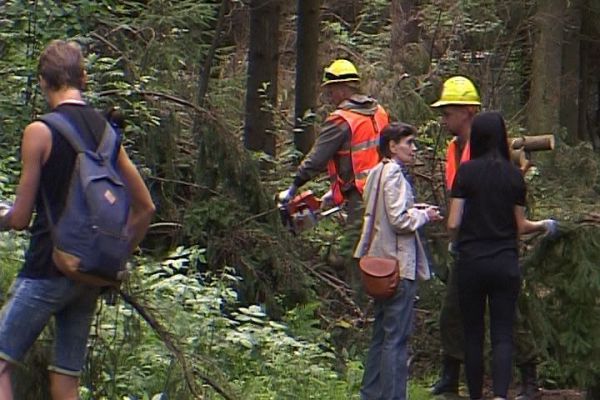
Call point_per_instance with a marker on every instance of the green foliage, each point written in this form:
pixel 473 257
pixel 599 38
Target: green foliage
pixel 259 357
pixel 11 258
pixel 563 287
pixel 236 297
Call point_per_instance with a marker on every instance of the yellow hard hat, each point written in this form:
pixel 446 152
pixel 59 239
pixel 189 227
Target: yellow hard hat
pixel 458 90
pixel 340 71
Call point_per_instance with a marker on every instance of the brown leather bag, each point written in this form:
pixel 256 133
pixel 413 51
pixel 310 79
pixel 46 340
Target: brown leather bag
pixel 380 275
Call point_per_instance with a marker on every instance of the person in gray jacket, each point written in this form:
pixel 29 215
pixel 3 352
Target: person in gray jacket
pixel 389 230
pixel 347 148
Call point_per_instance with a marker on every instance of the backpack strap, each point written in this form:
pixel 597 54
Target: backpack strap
pixel 57 121
pixel 63 126
pixel 108 141
pixel 107 145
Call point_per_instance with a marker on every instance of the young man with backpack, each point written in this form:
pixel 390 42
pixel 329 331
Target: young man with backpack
pixel 49 160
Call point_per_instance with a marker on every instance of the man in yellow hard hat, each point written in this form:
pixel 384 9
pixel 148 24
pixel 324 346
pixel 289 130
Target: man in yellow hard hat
pixel 458 104
pixel 346 146
pixel 347 143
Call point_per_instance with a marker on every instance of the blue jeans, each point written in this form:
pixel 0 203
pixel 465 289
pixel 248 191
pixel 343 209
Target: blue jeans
pixel 386 370
pixel 31 304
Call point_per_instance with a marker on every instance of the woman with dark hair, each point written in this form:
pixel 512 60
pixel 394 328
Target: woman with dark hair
pixel 389 230
pixel 487 214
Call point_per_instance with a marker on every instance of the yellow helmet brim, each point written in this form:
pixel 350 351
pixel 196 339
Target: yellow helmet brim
pixel 328 82
pixel 442 103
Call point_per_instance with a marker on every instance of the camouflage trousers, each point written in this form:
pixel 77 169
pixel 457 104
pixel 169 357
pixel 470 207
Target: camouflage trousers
pixel 355 210
pixel 451 329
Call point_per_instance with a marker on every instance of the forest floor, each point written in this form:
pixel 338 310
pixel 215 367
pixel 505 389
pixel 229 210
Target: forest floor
pixel 546 394
pixel 425 367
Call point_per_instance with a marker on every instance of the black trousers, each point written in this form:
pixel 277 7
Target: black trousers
pixel 495 280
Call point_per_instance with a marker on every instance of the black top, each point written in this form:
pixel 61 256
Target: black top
pixel 491 189
pixel 54 180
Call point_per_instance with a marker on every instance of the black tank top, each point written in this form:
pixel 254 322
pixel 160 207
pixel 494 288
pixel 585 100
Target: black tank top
pixel 54 181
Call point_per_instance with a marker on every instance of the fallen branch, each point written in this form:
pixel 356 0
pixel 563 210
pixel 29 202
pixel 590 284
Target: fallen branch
pixel 340 287
pixel 185 183
pixel 169 341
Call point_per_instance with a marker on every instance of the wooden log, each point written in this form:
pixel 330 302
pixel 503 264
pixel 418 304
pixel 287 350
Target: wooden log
pixel 532 143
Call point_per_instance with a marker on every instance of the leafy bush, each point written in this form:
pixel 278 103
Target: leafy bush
pixel 258 357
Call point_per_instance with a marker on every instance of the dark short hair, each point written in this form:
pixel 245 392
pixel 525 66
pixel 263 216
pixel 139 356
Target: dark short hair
pixel 488 136
pixel 394 131
pixel 62 65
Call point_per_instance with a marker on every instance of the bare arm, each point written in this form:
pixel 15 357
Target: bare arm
pixel 457 206
pixel 35 150
pixel 524 225
pixel 142 207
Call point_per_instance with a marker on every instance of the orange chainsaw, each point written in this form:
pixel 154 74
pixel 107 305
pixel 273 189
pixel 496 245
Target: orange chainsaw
pixel 303 212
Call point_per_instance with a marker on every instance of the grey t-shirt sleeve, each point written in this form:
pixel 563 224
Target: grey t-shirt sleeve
pixel 331 139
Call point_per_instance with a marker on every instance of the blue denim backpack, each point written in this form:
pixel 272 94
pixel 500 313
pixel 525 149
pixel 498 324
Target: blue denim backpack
pixel 90 235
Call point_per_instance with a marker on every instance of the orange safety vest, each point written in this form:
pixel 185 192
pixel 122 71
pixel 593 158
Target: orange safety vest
pixel 363 150
pixel 452 163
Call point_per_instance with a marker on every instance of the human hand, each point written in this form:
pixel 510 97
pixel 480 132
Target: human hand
pixel 433 213
pixel 285 196
pixel 4 210
pixel 550 226
pixel 327 200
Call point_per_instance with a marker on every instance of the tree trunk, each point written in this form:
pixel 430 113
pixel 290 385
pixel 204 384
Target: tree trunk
pixel 263 60
pixel 584 92
pixel 544 101
pixel 307 76
pixel 205 68
pixel 589 75
pixel 405 26
pixel 571 71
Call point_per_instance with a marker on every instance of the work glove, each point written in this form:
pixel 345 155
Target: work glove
pixel 286 195
pixel 327 200
pixel 550 226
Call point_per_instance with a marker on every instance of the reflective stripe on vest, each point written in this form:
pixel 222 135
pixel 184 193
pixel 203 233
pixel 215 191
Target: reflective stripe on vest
pixel 451 161
pixel 363 150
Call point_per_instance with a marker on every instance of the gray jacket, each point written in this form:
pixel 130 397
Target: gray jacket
pixel 396 222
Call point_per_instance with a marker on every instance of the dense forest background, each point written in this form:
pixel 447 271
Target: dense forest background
pixel 221 101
